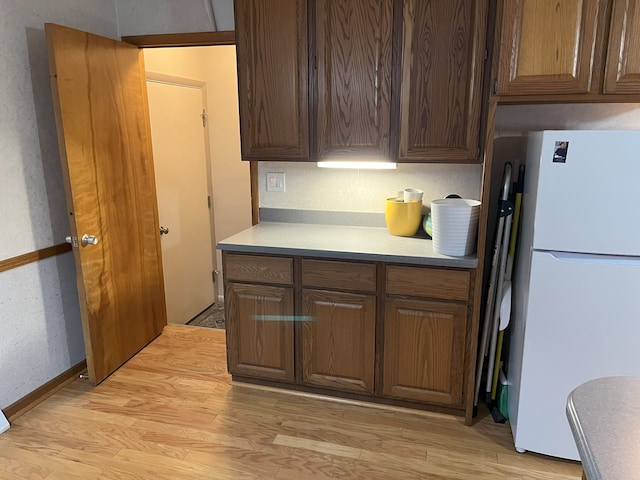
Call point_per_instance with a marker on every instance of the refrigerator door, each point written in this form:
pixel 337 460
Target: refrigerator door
pixel 582 322
pixel 587 195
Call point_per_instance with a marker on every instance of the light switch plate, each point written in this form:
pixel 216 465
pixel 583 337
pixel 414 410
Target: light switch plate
pixel 275 181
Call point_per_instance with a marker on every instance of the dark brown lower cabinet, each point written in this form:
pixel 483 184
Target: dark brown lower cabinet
pixel 390 333
pixel 338 340
pixel 424 350
pixel 259 323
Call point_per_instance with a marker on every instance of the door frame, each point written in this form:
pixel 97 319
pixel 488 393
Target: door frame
pixel 186 82
pixel 201 39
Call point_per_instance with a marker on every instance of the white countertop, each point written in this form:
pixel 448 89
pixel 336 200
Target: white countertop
pixel 604 415
pixel 343 242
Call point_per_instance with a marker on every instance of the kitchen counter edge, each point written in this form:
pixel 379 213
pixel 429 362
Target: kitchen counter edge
pixel 340 242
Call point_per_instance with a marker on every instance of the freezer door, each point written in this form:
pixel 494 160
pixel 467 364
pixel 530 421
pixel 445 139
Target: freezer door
pixel 582 322
pixel 588 198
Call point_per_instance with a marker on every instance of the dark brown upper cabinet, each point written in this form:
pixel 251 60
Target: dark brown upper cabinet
pixel 440 74
pixel 575 50
pixel 353 77
pixel 273 78
pixel 397 79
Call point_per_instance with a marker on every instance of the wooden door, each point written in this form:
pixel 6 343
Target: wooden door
pixel 424 346
pixel 547 47
pixel 443 45
pixel 259 324
pixel 273 79
pixel 338 340
pixel 623 55
pixel 100 105
pixel 353 101
pixel 182 182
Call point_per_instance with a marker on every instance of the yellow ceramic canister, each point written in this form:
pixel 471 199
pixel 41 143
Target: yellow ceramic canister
pixel 403 218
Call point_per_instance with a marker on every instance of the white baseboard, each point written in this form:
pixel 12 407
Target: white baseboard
pixel 4 423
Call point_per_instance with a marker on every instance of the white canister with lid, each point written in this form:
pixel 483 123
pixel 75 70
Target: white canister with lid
pixel 454 225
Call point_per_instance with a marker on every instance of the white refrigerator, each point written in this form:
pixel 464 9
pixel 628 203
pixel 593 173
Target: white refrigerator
pixel 576 296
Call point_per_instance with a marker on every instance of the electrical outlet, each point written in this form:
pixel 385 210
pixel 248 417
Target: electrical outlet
pixel 275 182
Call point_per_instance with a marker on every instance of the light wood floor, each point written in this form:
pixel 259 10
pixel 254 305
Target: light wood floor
pixel 172 413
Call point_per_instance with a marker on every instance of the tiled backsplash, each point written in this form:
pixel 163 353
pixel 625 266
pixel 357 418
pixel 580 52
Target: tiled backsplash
pixel 308 187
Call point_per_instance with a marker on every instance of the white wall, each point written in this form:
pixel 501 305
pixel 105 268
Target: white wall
pixel 31 191
pixel 143 17
pixel 216 66
pixel 187 62
pixel 516 119
pixel 308 187
pixel 231 179
pixel 40 334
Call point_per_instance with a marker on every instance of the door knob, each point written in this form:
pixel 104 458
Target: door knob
pixel 89 240
pixel 163 230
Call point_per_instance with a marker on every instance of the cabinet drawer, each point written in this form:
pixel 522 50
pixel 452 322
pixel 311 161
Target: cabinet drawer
pixel 339 275
pixel 428 282
pixel 255 268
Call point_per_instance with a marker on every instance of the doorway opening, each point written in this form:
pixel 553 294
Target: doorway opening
pixel 203 188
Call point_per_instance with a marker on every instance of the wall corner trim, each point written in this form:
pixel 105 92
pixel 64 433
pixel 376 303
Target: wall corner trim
pixel 31 257
pixel 182 39
pixel 34 398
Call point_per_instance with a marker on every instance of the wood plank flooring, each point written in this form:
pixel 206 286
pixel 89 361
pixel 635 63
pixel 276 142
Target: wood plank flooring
pixel 172 413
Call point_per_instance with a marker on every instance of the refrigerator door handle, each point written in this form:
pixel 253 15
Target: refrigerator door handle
pixel 595 258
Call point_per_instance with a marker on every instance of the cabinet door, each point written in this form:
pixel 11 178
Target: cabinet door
pixel 424 350
pixel 353 45
pixel 443 50
pixel 338 340
pixel 547 47
pixel 260 331
pixel 623 56
pixel 272 51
